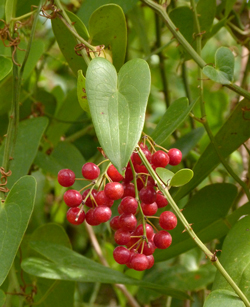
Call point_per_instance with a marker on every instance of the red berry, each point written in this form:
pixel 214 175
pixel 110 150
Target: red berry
pixel 114 174
pixel 149 209
pixel 129 205
pixel 128 221
pixel 90 171
pixel 91 219
pixel 160 159
pixel 168 220
pixel 142 180
pixel 102 214
pixel 137 159
pixel 114 190
pixel 147 195
pixel 139 262
pixel 129 190
pixel 103 200
pixel 119 209
pixel 122 237
pixel 141 169
pixel 128 174
pixel 72 198
pixel 162 239
pixel 132 242
pixel 66 177
pixel 148 249
pixel 121 254
pixel 149 231
pixel 151 261
pixel 161 200
pixel 115 223
pixel 89 202
pixel 175 156
pixel 72 214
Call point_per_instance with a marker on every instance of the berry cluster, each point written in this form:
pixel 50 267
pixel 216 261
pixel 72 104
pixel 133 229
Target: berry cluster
pixel 140 201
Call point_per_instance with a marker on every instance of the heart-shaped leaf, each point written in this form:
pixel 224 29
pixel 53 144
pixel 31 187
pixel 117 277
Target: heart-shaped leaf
pixel 81 91
pixel 165 174
pixel 5 67
pixel 182 177
pixel 15 213
pixel 117 105
pixel 224 67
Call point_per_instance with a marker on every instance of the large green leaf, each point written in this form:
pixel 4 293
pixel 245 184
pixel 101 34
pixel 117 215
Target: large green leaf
pixel 117 105
pixel 89 6
pixel 5 67
pixel 233 133
pixel 107 26
pixel 15 214
pixel 223 298
pixel 81 91
pixel 28 139
pixel 61 293
pixel 224 67
pixel 64 264
pixel 2 298
pixel 173 117
pixel 10 10
pixel 206 211
pixel 206 13
pixel 67 41
pixel 182 177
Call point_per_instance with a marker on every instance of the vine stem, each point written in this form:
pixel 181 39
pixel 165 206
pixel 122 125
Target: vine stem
pixel 98 250
pixel 189 229
pixel 203 110
pixel 159 9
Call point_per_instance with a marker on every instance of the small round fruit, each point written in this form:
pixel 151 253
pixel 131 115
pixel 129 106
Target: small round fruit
pixel 162 239
pixel 147 195
pixel 121 254
pixel 103 200
pixel 148 249
pixel 90 171
pixel 139 262
pixel 151 261
pixel 129 189
pixel 161 200
pixel 128 221
pixel 129 205
pixel 160 159
pixel 115 223
pixel 122 237
pixel 72 215
pixel 149 209
pixel 72 198
pixel 113 174
pixel 175 156
pixel 168 220
pixel 88 202
pixel 149 231
pixel 66 177
pixel 114 190
pixel 102 214
pixel 91 219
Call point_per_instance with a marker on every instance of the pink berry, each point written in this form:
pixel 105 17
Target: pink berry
pixel 129 205
pixel 102 214
pixel 149 209
pixel 72 198
pixel 113 174
pixel 121 254
pixel 162 239
pixel 66 177
pixel 175 156
pixel 160 159
pixel 168 220
pixel 90 171
pixel 114 190
pixel 72 214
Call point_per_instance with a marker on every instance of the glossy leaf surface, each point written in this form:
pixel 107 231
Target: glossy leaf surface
pixel 182 177
pixel 15 214
pixel 64 264
pixel 117 105
pixel 107 26
pixel 164 174
pixel 173 117
pixel 5 67
pixel 223 298
pixel 208 207
pixel 233 133
pixel 224 67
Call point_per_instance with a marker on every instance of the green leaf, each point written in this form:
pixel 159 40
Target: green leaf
pixel 2 298
pixel 206 13
pixel 107 26
pixel 117 105
pixel 206 211
pixel 229 6
pixel 235 257
pixel 15 214
pixel 224 67
pixel 81 92
pixel 6 95
pixel 173 117
pixel 10 10
pixel 89 6
pixel 64 264
pixel 67 41
pixel 5 67
pixel 223 298
pixel 182 177
pixel 164 174
pixel 28 139
pixel 232 134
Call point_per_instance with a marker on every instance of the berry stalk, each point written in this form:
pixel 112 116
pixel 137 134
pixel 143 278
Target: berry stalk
pixel 189 229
